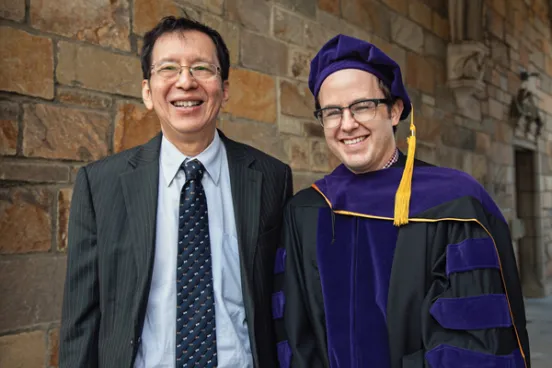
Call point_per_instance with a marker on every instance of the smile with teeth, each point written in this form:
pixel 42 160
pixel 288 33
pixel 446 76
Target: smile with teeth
pixel 354 141
pixel 186 103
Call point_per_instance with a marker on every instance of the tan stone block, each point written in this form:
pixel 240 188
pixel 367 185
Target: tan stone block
pixel 482 143
pixel 500 7
pixel 264 137
pixel 440 26
pixel 93 68
pixel 299 63
pixel 64 133
pixel 400 6
pixel 27 63
pixel 290 125
pixel 25 222
pixel 395 52
pixel 496 109
pixel 26 349
pixel 252 96
pixel 41 172
pixel 147 13
pixel 13 10
pixel 420 13
pixel 263 54
pixel 302 180
pixel 64 205
pixel 35 287
pixel 313 129
pixel 287 26
pixel 420 73
pixel 305 7
pixel 319 155
pixel 53 347
pixel 134 125
pixel 296 100
pixel 370 15
pixel 435 46
pixel 496 24
pixel 79 97
pixel 213 6
pixel 103 22
pixel 407 34
pixel 330 6
pixel 317 35
pixel 297 149
pixel 428 126
pixel 251 14
pixel 229 31
pixel 9 131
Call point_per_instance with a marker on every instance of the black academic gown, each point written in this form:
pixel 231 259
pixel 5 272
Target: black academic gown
pixel 352 290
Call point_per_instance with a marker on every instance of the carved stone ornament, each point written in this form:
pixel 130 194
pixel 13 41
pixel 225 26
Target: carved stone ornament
pixel 524 111
pixel 465 70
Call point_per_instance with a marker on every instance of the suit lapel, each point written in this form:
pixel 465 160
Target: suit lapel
pixel 140 188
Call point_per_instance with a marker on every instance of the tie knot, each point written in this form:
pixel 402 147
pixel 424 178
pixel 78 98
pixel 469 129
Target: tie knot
pixel 193 170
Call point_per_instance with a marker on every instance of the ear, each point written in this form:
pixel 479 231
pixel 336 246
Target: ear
pixel 396 111
pixel 146 94
pixel 225 91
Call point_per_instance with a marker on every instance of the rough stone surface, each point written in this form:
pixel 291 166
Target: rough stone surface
pixel 330 6
pixel 317 35
pixel 22 170
pixel 134 125
pixel 407 33
pixel 297 149
pixel 9 131
pixel 63 133
pixel 400 6
pixel 263 54
pixel 252 96
pixel 24 350
pixel 261 136
pixel 64 205
pixel 287 26
pixel 319 155
pixel 290 125
pixel 251 14
pixel 93 68
pixel 21 53
pixel 12 9
pixel 459 137
pixel 299 63
pixel 420 13
pixel 53 347
pixel 230 32
pixel 440 26
pixel 213 6
pixel 304 7
pixel 148 13
pixel 103 22
pixel 25 222
pixel 369 15
pixel 420 73
pixel 296 100
pixel 73 96
pixel 35 287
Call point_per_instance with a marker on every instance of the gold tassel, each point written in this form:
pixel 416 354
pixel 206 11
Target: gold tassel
pixel 402 197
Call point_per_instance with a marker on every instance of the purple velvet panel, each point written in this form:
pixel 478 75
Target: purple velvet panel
pixel 280 263
pixel 373 193
pixel 446 356
pixel 354 272
pixel 472 313
pixel 278 302
pixel 471 254
pixel 284 354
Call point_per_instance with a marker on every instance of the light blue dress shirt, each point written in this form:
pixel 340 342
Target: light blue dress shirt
pixel 157 349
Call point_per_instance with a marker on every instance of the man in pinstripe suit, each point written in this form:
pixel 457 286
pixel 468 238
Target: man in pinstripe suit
pixel 120 306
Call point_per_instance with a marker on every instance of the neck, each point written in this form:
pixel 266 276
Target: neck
pixel 191 145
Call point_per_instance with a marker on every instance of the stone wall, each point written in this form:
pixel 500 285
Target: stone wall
pixel 70 93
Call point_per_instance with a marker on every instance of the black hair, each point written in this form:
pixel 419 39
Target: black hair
pixel 172 24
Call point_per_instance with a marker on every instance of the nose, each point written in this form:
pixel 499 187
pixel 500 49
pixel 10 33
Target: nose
pixel 185 80
pixel 348 122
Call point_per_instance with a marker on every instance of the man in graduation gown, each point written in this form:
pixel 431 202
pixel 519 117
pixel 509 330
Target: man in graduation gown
pixel 389 262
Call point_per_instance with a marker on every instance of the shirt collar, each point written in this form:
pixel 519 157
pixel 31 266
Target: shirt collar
pixel 171 159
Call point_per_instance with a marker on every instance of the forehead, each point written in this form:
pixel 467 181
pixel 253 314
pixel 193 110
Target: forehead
pixel 184 46
pixel 347 85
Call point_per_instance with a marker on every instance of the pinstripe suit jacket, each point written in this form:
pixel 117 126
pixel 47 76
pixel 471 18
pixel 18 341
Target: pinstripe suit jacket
pixel 111 249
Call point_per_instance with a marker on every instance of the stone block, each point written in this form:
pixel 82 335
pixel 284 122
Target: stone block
pixel 500 7
pixel 9 127
pixel 33 172
pixel 479 168
pixel 317 35
pixel 302 180
pixel 25 222
pixel 304 7
pixel 290 125
pixel 400 6
pixel 263 54
pixel 134 125
pixel 12 10
pixel 23 350
pixel 458 137
pixel 296 100
pixel 35 287
pixel 261 136
pixel 64 133
pixel 313 129
pixel 369 15
pixel 428 124
pixel 252 96
pixel 407 34
pixel 440 26
pixel 420 73
pixel 251 14
pixel 495 24
pixel 27 63
pixel 299 63
pixel 330 6
pixel 53 347
pixel 434 46
pixel 103 22
pixel 229 31
pixel 420 13
pixel 319 153
pixel 64 205
pixel 79 97
pixel 93 68
pixel 147 13
pixel 287 26
pixel 394 51
pixel 482 143
pixel 213 6
pixel 297 149
pixel 497 110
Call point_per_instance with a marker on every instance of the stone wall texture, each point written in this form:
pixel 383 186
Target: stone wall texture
pixel 70 94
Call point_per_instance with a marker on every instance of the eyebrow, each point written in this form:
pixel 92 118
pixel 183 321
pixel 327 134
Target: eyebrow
pixel 354 102
pixel 173 60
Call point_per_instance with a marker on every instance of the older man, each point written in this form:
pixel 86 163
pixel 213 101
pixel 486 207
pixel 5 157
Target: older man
pixel 389 262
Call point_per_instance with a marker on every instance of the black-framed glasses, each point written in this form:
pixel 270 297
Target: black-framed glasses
pixel 199 71
pixel 362 111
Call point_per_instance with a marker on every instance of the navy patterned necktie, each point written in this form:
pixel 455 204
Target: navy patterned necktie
pixel 195 303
